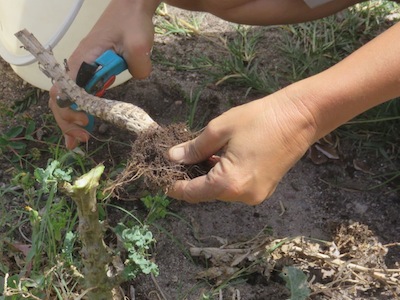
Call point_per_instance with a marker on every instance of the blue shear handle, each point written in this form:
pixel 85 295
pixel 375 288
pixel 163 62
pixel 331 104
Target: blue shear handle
pixel 90 126
pixel 109 64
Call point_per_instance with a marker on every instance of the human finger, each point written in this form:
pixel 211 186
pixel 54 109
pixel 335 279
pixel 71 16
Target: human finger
pixel 201 148
pixel 70 122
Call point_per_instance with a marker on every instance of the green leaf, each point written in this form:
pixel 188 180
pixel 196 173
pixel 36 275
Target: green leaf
pixel 52 175
pixel 36 281
pixel 15 131
pixel 63 175
pixel 157 206
pixel 296 282
pixel 131 271
pixel 17 145
pixel 140 237
pixel 145 265
pixel 13 281
pixel 68 248
pixel 3 141
pixel 30 128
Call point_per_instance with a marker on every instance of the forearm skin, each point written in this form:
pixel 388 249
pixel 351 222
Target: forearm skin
pixel 366 78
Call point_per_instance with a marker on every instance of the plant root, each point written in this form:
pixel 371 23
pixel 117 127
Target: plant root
pixel 149 160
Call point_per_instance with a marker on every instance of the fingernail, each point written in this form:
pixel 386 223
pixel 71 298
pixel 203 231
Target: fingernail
pixel 177 153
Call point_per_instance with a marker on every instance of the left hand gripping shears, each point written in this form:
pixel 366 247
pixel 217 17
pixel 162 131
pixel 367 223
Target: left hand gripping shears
pixel 96 78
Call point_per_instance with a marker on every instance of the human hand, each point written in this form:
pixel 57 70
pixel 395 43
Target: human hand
pixel 259 141
pixel 126 28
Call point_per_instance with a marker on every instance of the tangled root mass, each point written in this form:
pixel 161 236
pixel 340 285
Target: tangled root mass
pixel 149 160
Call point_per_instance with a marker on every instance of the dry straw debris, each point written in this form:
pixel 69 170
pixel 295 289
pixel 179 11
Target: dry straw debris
pixel 353 263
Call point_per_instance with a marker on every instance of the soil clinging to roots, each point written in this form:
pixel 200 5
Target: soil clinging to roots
pixel 149 160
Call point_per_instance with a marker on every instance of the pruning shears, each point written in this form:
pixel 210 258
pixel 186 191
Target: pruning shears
pixel 96 78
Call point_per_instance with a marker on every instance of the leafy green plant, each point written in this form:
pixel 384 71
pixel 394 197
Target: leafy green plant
pixel 157 207
pixel 14 141
pixel 53 242
pixel 49 218
pixel 50 224
pixel 136 241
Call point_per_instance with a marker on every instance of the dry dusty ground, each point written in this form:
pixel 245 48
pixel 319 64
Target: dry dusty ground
pixel 311 201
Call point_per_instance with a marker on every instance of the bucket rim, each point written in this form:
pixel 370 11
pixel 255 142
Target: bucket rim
pixel 23 60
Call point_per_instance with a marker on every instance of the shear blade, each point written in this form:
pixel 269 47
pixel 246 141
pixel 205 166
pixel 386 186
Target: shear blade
pixel 85 73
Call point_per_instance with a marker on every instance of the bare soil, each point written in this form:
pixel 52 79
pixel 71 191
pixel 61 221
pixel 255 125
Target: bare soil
pixel 312 201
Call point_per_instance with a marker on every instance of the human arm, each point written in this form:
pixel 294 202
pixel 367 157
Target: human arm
pixel 126 27
pixel 264 12
pixel 260 141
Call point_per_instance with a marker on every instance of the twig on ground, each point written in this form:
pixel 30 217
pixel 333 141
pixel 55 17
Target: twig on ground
pixel 158 287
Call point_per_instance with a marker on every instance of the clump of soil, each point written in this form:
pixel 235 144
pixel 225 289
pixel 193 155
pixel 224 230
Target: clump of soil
pixel 149 159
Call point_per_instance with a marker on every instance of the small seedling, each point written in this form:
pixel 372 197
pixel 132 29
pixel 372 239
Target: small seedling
pixel 157 207
pixel 193 100
pixel 136 241
pixel 171 24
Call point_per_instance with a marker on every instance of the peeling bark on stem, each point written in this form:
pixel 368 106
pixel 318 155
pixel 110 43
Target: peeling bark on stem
pixel 121 114
pixel 96 256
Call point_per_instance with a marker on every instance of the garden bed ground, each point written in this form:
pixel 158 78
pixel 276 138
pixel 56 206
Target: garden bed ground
pixel 312 200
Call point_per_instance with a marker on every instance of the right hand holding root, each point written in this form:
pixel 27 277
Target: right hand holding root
pixel 258 143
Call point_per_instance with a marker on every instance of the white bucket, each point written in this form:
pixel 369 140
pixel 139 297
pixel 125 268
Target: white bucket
pixel 58 24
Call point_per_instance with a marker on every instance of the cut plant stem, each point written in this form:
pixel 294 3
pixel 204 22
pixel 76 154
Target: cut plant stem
pixel 121 114
pixel 96 257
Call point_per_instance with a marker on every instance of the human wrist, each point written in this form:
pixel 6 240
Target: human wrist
pixel 292 103
pixel 318 104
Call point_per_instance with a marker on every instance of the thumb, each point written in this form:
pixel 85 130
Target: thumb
pixel 197 150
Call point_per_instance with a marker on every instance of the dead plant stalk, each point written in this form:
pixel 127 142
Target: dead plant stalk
pixel 121 114
pixel 380 274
